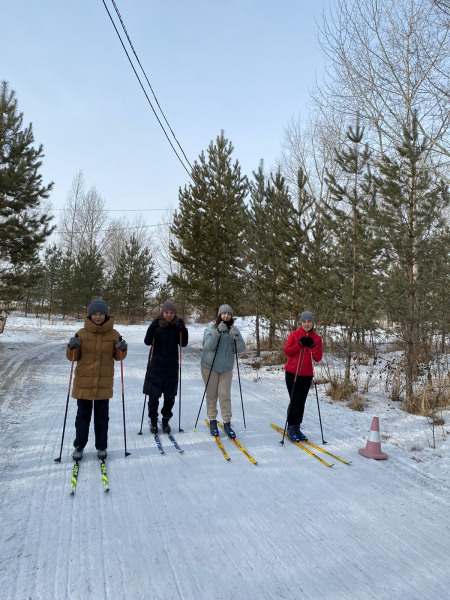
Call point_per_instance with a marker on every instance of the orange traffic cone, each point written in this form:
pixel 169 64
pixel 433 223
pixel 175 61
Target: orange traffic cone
pixel 373 445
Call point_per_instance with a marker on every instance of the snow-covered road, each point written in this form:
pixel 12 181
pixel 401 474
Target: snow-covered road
pixel 194 526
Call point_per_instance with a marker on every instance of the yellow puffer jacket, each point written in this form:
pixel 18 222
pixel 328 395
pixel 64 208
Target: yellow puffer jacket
pixel 94 374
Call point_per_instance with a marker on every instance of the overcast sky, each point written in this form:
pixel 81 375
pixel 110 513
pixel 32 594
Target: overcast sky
pixel 244 66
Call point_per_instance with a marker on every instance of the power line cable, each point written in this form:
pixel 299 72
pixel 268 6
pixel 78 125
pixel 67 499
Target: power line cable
pixel 113 228
pixel 143 89
pixel 111 209
pixel 149 84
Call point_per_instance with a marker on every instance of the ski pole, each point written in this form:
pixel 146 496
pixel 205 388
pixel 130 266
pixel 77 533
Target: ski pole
pixel 58 460
pixel 123 401
pixel 143 411
pixel 318 405
pixel 145 397
pixel 301 353
pixel 239 379
pixel 206 386
pixel 179 401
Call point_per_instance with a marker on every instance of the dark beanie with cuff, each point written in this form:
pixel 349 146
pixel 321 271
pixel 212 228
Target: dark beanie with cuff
pixel 98 306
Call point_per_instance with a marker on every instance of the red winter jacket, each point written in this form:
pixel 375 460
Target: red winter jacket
pixel 292 350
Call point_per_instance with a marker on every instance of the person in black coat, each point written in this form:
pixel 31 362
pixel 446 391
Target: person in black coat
pixel 162 369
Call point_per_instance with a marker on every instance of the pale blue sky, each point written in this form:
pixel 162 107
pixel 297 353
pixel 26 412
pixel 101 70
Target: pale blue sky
pixel 244 66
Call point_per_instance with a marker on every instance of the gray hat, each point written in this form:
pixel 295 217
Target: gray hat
pixel 307 316
pixel 98 306
pixel 225 308
pixel 168 305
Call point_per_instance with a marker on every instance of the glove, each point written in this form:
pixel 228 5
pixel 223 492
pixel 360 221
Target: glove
pixel 222 327
pixel 74 342
pixel 306 342
pixel 121 345
pixel 234 331
pixel 181 324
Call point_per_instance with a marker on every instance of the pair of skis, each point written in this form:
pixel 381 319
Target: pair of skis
pixel 236 443
pixel 76 470
pixel 304 446
pixel 171 438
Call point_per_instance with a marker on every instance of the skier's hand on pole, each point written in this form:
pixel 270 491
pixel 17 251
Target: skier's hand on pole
pixel 74 342
pixel 121 345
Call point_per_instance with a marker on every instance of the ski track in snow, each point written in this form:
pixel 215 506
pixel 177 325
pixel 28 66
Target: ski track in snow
pixel 194 526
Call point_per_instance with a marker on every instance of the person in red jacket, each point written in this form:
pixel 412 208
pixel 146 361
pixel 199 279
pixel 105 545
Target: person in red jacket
pixel 302 347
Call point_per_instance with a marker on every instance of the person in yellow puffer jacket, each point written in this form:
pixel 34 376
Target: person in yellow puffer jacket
pixel 96 347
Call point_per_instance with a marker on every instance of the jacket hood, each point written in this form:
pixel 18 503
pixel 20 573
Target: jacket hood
pixel 93 328
pixel 164 323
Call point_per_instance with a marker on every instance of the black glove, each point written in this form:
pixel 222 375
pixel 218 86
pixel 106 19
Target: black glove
pixel 181 324
pixel 121 345
pixel 306 342
pixel 74 342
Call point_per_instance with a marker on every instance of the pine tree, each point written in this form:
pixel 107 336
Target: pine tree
pixel 347 217
pixel 318 289
pixel 291 233
pixel 33 275
pixel 411 233
pixel 209 226
pixel 89 277
pixel 23 230
pixel 52 262
pixel 257 248
pixel 275 299
pixel 67 290
pixel 134 279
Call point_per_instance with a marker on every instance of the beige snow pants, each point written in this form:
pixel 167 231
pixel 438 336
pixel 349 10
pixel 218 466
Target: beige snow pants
pixel 219 386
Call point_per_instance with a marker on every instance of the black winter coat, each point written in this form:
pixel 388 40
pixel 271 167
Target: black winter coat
pixel 162 369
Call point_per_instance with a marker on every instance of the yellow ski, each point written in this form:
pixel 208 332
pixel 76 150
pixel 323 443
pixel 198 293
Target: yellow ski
pixel 300 445
pixel 219 443
pixel 241 448
pixel 346 462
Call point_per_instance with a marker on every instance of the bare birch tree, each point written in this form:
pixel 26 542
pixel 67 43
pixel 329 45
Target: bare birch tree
pixel 67 226
pixel 387 61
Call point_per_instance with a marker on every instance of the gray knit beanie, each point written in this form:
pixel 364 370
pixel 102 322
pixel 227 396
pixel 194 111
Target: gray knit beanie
pixel 98 306
pixel 225 308
pixel 306 316
pixel 168 305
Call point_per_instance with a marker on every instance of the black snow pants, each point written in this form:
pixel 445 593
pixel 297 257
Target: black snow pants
pixel 301 389
pixel 166 411
pixel 83 420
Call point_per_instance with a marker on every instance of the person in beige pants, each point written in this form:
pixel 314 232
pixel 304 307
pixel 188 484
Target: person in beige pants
pixel 220 341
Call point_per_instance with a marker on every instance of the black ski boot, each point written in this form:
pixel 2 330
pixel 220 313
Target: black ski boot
pixel 77 454
pixel 229 431
pixel 154 426
pixel 213 428
pixel 165 425
pixel 301 436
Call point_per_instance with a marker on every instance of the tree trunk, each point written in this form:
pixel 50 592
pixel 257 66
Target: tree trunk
pixel 258 341
pixel 271 334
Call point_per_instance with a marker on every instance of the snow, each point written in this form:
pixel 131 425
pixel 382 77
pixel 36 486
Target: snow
pixel 194 526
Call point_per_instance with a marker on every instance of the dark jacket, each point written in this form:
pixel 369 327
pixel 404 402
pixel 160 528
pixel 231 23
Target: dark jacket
pixel 162 368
